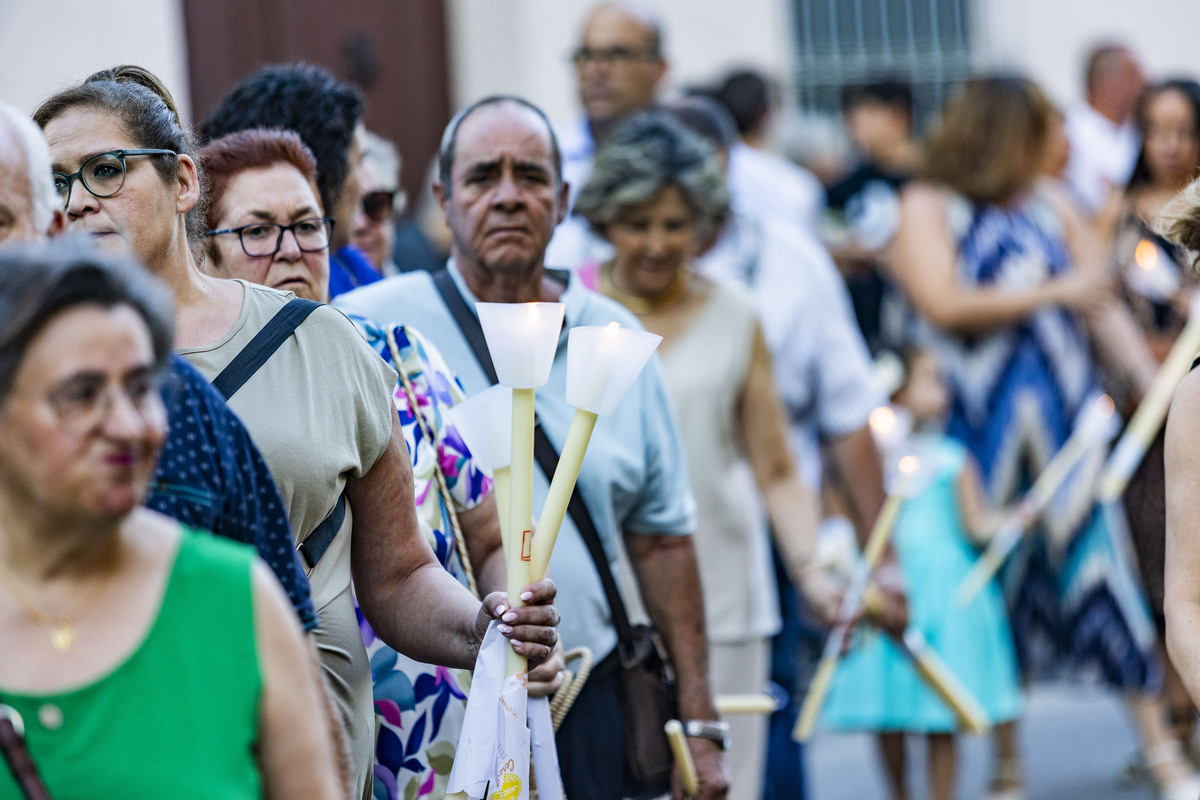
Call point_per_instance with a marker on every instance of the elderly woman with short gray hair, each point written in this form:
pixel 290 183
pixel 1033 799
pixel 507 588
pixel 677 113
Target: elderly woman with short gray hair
pixel 656 191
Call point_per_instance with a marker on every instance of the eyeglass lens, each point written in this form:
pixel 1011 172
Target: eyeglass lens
pixel 102 175
pixel 312 235
pixel 611 55
pixel 82 401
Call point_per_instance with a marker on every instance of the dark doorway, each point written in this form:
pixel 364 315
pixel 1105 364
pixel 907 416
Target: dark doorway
pixel 395 50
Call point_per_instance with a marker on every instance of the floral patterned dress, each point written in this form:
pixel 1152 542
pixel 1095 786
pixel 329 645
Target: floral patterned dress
pixel 420 707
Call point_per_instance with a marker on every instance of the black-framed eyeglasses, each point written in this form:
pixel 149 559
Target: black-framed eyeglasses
pixel 613 56
pixel 103 174
pixel 379 206
pixel 262 239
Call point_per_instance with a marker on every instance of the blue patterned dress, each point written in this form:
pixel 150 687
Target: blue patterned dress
pixel 1017 392
pixel 420 707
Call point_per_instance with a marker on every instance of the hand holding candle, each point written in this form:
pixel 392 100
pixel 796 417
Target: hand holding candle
pixel 852 602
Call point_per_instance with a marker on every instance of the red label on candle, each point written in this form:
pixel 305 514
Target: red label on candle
pixel 526 545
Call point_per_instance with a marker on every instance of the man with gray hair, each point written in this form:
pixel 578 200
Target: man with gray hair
pixel 501 188
pixel 29 206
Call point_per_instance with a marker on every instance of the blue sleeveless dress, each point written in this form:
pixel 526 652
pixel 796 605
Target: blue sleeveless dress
pixel 876 687
pixel 1017 391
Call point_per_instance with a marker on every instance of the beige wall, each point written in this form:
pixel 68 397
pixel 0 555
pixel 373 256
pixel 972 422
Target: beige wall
pixel 1050 38
pixel 48 44
pixel 522 46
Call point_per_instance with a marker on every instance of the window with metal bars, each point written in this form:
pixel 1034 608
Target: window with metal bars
pixel 843 42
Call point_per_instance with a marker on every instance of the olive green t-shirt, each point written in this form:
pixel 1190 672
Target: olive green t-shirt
pixel 320 410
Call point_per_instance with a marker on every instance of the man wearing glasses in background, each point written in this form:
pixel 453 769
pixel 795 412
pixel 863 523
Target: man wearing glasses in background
pixel 619 66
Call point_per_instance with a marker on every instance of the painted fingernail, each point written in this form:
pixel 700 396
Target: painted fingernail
pixel 510 617
pixel 500 610
pixel 526 596
pixel 506 629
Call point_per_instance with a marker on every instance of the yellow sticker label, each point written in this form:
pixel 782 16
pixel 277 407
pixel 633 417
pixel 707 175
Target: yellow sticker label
pixel 526 545
pixel 510 788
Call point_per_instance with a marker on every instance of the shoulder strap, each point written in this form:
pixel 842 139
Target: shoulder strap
pixel 263 345
pixel 544 452
pixel 16 755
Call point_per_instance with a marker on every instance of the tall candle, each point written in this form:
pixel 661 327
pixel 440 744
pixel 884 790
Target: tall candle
pixel 602 365
pixel 522 339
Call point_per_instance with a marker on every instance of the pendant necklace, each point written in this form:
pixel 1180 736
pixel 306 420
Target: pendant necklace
pixel 63 631
pixel 644 305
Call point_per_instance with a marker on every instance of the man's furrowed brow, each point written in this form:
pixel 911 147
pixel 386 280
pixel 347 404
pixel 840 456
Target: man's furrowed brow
pixel 531 166
pixel 483 167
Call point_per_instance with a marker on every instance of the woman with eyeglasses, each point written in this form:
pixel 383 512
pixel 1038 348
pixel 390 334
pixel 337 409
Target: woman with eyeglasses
pixel 101 600
pixel 263 193
pixel 319 407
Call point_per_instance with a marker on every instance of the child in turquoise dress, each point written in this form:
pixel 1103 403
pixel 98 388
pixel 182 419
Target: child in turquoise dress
pixel 936 539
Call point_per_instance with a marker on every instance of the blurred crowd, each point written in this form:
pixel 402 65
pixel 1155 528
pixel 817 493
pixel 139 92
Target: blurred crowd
pixel 246 547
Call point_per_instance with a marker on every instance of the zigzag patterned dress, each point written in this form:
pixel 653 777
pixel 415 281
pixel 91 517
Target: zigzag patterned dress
pixel 1017 392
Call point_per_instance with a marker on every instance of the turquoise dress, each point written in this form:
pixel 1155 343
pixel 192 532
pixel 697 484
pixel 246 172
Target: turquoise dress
pixel 876 687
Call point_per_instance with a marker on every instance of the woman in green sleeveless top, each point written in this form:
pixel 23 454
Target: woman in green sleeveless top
pixel 145 660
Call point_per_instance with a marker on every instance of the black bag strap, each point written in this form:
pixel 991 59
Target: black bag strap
pixel 243 366
pixel 312 548
pixel 16 755
pixel 263 345
pixel 545 453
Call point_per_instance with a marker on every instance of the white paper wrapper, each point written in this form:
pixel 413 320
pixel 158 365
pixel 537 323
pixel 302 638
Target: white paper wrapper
pixel 545 754
pixel 493 750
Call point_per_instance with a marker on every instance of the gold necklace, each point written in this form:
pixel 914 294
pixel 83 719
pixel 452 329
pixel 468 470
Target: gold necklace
pixel 644 305
pixel 63 631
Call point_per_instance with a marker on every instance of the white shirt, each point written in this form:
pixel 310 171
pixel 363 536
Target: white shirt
pixel 821 365
pixel 766 185
pixel 574 243
pixel 1102 155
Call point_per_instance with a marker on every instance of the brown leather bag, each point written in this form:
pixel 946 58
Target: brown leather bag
pixel 648 701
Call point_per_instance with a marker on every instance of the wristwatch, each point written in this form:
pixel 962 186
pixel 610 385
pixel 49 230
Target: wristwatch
pixel 707 729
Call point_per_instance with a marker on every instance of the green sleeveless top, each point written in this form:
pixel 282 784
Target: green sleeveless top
pixel 179 717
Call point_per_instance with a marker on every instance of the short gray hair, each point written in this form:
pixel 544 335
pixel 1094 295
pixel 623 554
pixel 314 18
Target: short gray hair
pixel 645 155
pixel 44 199
pixel 450 136
pixel 39 281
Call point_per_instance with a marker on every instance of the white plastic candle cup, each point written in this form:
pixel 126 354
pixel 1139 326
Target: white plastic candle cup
pixel 603 362
pixel 485 423
pixel 521 338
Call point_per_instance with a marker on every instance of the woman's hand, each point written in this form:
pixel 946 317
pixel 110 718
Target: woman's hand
pixel 1085 292
pixel 532 628
pixel 548 677
pixel 822 593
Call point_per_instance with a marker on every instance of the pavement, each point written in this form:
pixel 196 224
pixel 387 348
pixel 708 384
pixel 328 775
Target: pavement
pixel 1075 741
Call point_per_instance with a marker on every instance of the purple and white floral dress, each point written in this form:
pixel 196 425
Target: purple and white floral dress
pixel 420 707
